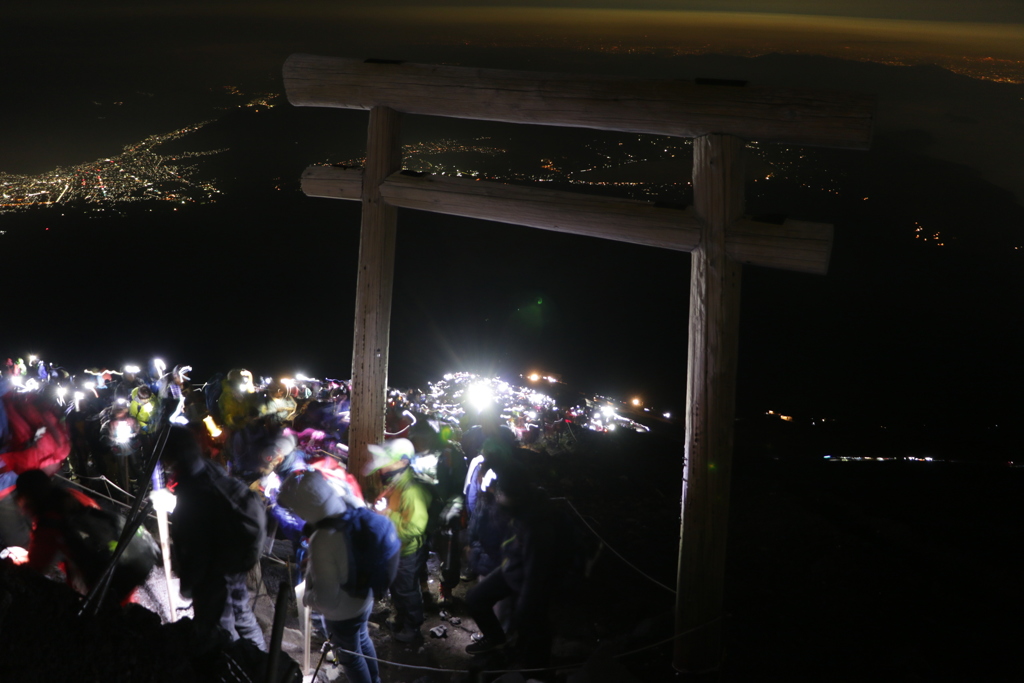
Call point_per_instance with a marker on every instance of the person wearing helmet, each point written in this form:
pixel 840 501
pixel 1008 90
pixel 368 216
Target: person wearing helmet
pixel 406 502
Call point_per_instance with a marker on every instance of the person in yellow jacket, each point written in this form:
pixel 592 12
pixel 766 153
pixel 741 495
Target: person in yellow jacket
pixel 236 399
pixel 405 500
pixel 143 408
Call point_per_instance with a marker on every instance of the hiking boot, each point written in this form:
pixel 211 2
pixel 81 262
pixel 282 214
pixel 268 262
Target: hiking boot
pixel 484 645
pixel 407 635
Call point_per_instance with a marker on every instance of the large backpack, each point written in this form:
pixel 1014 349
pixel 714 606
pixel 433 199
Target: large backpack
pixel 243 525
pixel 37 440
pixel 373 550
pixel 91 535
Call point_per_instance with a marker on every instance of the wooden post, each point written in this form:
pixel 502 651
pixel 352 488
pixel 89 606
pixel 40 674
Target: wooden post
pixel 710 405
pixel 374 285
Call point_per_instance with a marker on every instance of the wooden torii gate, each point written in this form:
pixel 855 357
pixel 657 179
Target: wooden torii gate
pixel 720 116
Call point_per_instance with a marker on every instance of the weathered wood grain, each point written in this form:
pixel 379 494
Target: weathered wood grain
pixel 710 405
pixel 374 285
pixel 795 245
pixel 657 107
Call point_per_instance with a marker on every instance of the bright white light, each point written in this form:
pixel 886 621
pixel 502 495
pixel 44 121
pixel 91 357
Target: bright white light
pixel 32 359
pixel 31 385
pixel 159 365
pixel 532 414
pixel 272 484
pixel 607 411
pixel 381 505
pixel 534 377
pixel 62 391
pixel 15 554
pixel 89 385
pixel 667 415
pixel 79 395
pixel 636 401
pixel 163 500
pixel 131 369
pixel 122 432
pixel 611 428
pixel 302 378
pixel 16 379
pixel 479 395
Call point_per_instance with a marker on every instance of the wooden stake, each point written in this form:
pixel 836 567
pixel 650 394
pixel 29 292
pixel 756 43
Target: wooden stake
pixel 374 285
pixel 710 405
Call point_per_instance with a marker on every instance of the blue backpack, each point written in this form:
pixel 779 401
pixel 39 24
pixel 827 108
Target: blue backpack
pixel 373 550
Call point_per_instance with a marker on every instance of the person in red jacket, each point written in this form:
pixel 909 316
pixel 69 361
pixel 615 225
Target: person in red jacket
pixel 69 527
pixel 31 437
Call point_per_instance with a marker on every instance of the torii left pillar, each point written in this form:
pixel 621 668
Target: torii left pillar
pixel 710 405
pixel 374 286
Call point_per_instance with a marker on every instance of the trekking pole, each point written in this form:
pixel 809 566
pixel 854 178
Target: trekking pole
pixel 323 653
pixel 277 631
pixel 99 591
pixel 165 547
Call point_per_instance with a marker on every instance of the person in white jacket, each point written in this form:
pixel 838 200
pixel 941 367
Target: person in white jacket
pixel 313 499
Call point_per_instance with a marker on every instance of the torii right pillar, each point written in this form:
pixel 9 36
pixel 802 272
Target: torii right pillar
pixel 710 405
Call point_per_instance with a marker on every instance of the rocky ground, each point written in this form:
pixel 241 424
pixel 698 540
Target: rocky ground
pixel 836 571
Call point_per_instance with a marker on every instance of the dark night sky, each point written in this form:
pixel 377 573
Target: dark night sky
pixel 268 282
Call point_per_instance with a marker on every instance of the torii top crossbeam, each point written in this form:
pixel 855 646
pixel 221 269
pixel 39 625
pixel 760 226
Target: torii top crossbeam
pixel 719 115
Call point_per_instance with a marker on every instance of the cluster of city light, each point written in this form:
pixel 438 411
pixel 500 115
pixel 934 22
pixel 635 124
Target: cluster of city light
pixel 934 237
pixel 138 174
pixel 878 458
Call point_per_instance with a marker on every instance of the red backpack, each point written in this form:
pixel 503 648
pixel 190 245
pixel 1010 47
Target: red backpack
pixel 37 437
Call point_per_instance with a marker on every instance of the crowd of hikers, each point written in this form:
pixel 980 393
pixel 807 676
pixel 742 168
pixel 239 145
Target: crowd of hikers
pixel 237 459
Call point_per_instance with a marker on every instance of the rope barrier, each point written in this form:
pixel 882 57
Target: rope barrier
pixel 536 670
pixel 97 493
pixel 617 553
pixel 572 507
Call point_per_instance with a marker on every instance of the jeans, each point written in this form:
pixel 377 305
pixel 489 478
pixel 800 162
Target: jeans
pixel 353 635
pixel 405 590
pixel 224 601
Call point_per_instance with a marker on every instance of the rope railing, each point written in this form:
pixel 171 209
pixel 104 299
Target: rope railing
pixel 616 552
pixel 561 667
